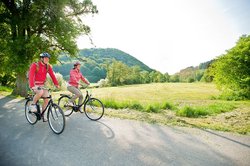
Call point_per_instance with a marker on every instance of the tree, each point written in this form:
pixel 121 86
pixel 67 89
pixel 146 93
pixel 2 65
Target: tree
pixel 31 27
pixel 117 73
pixel 231 71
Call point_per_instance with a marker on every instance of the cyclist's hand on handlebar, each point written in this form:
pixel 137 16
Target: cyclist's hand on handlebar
pixel 58 86
pixel 33 88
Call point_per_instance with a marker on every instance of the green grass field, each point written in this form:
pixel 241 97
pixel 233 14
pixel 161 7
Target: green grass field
pixel 183 104
pixel 159 92
pixel 191 104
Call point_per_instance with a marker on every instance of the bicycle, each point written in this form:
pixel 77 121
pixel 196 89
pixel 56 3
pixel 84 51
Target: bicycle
pixel 93 107
pixel 55 115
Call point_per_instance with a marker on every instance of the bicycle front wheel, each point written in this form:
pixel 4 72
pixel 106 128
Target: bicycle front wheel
pixel 94 109
pixel 31 117
pixel 63 104
pixel 56 119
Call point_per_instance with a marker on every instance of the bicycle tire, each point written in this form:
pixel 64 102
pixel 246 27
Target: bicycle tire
pixel 30 117
pixel 62 102
pixel 94 109
pixel 56 119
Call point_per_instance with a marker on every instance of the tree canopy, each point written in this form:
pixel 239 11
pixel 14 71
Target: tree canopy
pixel 231 71
pixel 31 27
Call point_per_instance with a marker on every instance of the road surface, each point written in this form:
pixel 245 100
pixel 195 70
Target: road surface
pixel 112 142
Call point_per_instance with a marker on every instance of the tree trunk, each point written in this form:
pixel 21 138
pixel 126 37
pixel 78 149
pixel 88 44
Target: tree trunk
pixel 21 85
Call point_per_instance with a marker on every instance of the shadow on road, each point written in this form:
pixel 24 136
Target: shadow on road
pixel 108 132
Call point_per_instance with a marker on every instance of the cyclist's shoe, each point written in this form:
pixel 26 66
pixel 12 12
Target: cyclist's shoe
pixel 44 118
pixel 33 108
pixel 69 104
pixel 81 110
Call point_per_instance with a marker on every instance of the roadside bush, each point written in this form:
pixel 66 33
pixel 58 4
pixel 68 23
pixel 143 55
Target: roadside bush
pixel 103 83
pixel 49 83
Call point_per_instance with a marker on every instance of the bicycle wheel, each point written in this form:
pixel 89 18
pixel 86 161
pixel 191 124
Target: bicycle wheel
pixel 94 109
pixel 31 117
pixel 62 102
pixel 56 119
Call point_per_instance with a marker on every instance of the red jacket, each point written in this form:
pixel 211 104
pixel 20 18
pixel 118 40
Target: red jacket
pixel 75 77
pixel 39 77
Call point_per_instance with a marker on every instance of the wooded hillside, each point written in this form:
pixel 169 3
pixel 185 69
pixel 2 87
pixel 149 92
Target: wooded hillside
pixel 96 60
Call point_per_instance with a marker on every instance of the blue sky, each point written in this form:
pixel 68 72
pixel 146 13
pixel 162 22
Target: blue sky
pixel 168 35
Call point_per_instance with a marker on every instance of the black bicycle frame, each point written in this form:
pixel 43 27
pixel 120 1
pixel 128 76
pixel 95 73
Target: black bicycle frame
pixel 38 108
pixel 77 107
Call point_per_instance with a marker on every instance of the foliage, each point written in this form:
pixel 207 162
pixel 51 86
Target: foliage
pixel 94 69
pixel 5 89
pixel 49 83
pixel 31 27
pixel 192 74
pixel 231 71
pixel 121 74
pixel 102 83
pixel 7 79
pixel 107 55
pixel 175 78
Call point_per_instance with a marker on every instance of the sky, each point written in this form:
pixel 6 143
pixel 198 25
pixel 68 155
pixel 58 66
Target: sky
pixel 168 35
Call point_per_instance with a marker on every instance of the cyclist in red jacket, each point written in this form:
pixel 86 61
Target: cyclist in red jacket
pixel 37 78
pixel 73 84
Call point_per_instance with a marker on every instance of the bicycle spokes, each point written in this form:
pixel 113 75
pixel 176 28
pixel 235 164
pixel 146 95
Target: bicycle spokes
pixel 94 109
pixel 56 119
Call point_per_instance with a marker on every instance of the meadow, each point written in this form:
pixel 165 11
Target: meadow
pixel 184 104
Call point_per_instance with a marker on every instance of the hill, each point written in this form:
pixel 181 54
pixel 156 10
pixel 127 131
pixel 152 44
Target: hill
pixel 96 58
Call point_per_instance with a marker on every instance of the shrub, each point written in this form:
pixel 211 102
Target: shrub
pixel 153 108
pixel 49 83
pixel 168 106
pixel 103 82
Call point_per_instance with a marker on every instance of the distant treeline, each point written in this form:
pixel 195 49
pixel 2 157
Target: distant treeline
pixel 193 74
pixel 129 70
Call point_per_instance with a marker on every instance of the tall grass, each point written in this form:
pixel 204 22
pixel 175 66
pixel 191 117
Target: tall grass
pixel 5 89
pixel 197 111
pixel 136 105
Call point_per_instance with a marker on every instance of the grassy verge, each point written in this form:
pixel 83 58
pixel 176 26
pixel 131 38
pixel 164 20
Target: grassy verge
pixel 182 104
pixel 5 90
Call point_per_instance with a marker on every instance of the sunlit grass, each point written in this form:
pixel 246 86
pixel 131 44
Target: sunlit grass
pixel 5 89
pixel 159 92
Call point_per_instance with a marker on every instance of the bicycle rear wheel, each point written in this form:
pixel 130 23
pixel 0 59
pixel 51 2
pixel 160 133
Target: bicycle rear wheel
pixel 31 117
pixel 56 119
pixel 63 104
pixel 94 109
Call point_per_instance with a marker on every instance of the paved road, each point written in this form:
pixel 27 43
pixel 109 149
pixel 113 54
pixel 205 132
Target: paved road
pixel 112 142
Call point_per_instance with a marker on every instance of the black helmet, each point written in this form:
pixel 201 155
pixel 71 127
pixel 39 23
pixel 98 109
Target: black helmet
pixel 44 54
